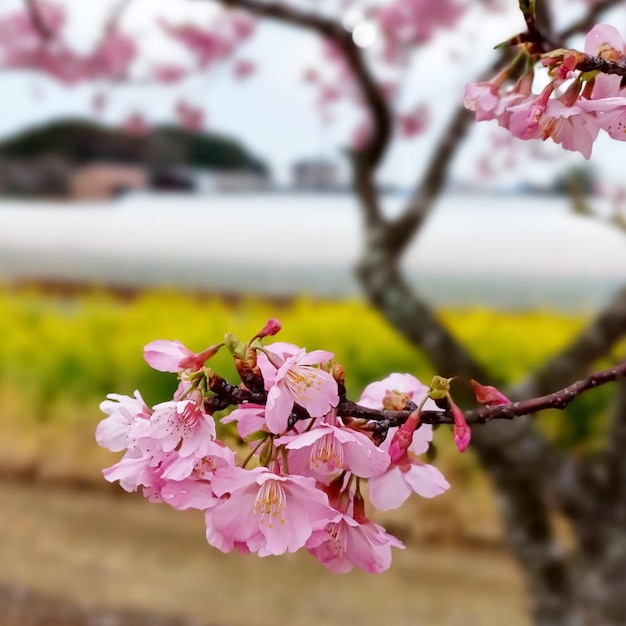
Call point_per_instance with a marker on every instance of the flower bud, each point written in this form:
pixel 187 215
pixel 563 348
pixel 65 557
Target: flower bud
pixel 235 346
pixel 271 328
pixel 439 388
pixel 485 394
pixel 396 400
pixel 194 361
pixel 462 432
pixel 402 438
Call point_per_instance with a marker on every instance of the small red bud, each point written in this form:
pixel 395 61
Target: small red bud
pixel 403 438
pixel 271 328
pixel 485 394
pixel 462 432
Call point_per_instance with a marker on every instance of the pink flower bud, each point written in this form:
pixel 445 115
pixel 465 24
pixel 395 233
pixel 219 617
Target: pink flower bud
pixel 485 394
pixel 403 438
pixel 271 328
pixel 462 432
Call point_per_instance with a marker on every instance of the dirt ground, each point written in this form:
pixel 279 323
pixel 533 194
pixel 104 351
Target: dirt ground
pixel 106 560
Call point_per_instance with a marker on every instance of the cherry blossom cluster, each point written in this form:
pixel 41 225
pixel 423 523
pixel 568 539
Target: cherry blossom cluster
pixel 303 460
pixel 24 47
pixel 29 44
pixel 578 102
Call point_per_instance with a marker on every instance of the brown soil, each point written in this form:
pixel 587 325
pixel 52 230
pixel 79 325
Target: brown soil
pixel 71 557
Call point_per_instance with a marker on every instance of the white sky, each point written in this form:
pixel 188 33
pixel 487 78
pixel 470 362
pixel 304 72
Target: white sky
pixel 272 112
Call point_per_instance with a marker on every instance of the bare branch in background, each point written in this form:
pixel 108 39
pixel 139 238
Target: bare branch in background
pixel 589 19
pixel 559 399
pixel 38 20
pixel 116 15
pixel 594 342
pixel 374 99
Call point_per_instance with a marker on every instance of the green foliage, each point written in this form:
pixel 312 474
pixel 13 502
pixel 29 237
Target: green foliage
pixel 79 141
pixel 62 353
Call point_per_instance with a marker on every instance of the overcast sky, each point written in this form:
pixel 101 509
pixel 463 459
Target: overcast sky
pixel 272 112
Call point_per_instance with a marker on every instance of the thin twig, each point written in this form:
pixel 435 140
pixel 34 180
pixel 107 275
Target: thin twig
pixel 38 21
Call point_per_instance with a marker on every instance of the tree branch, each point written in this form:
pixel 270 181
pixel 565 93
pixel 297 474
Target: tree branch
pixel 560 400
pixel 589 19
pixel 594 342
pixel 374 99
pixel 38 21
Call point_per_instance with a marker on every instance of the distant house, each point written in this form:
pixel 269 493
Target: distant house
pixel 230 182
pixel 84 160
pixel 317 174
pixel 99 181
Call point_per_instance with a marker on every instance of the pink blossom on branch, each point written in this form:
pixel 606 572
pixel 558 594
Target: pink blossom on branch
pixel 292 378
pixel 265 512
pixel 327 450
pixel 173 356
pixel 405 475
pixel 347 543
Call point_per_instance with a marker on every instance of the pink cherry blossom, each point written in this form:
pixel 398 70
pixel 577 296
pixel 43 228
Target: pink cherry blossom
pixel 391 489
pixel 406 23
pixel 374 394
pixel 180 426
pixel 268 513
pixel 184 494
pixel 243 69
pixel 112 432
pixel 215 455
pixel 346 543
pixel 132 470
pixel 602 38
pixel 169 74
pixel 190 117
pixel 295 380
pixel 250 419
pixel 173 356
pixel 412 124
pixel 484 99
pixel 113 57
pixel 405 474
pixel 326 451
pixel 206 45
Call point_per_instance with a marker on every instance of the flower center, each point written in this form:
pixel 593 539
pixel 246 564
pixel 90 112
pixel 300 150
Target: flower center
pixel 302 380
pixel 270 501
pixel 327 451
pixel 337 536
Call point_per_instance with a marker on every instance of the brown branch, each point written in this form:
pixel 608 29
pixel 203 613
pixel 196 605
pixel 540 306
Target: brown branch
pixel 374 99
pixel 116 15
pixel 227 394
pixel 402 231
pixel 37 19
pixel 589 20
pixel 597 64
pixel 594 342
pixel 432 183
pixel 557 400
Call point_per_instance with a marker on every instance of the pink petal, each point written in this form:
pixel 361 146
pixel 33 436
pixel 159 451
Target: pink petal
pixel 426 480
pixel 421 439
pixel 388 491
pixel 278 408
pixel 165 356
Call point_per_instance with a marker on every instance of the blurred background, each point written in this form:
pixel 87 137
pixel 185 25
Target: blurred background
pixel 175 170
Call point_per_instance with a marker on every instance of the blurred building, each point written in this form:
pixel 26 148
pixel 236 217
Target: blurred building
pixel 228 182
pixel 83 160
pixel 315 174
pixel 106 180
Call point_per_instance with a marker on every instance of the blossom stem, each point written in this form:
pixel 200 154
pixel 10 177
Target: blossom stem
pixel 253 452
